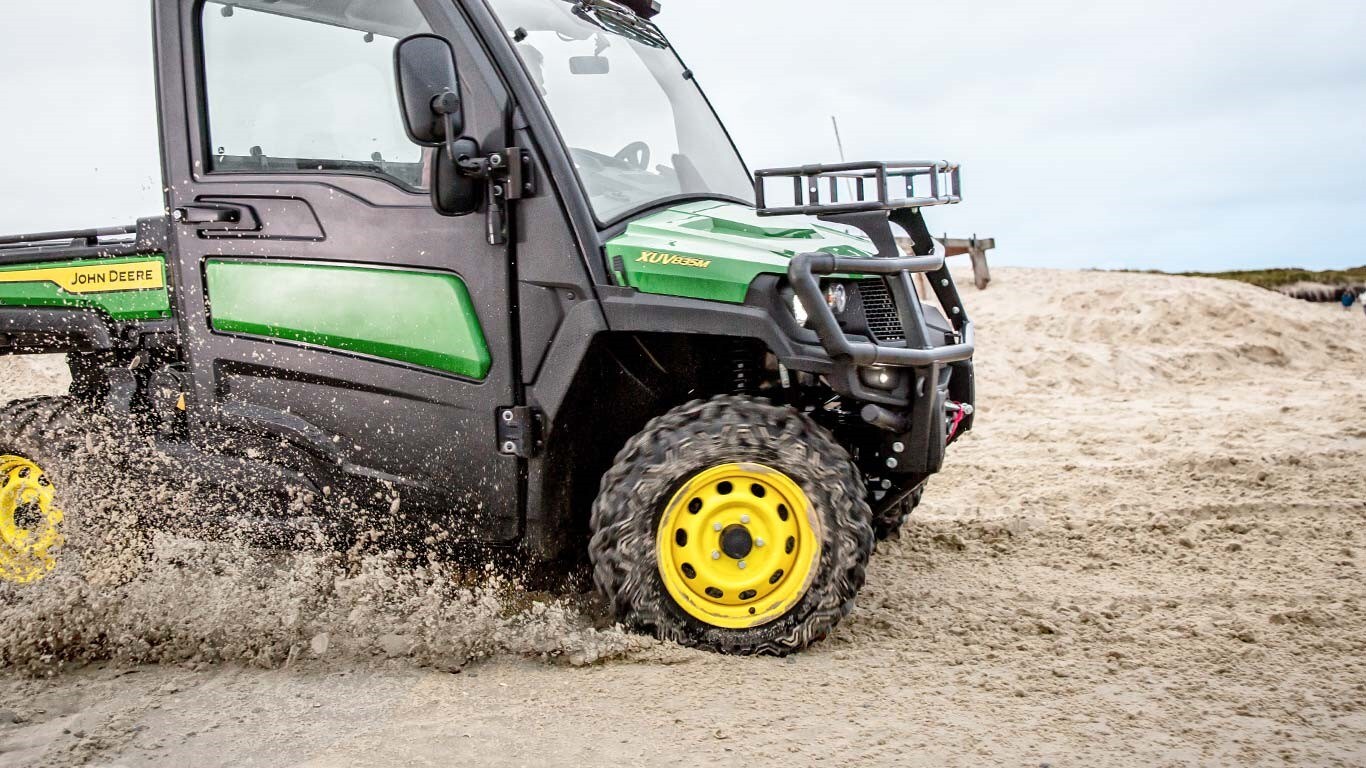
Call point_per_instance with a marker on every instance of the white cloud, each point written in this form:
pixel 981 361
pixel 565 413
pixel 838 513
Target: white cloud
pixel 1163 134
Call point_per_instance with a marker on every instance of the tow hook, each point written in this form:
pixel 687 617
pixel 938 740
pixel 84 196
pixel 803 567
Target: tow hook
pixel 960 411
pixel 884 419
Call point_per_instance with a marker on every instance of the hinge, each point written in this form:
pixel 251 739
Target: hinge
pixel 511 167
pixel 519 431
pixel 509 176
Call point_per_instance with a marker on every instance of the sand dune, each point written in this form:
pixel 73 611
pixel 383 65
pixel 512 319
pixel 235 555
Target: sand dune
pixel 1149 553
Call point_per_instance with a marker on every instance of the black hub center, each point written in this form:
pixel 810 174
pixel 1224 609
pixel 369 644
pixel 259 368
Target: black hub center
pixel 736 542
pixel 28 516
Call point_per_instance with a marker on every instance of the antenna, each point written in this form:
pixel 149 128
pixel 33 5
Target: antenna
pixel 848 183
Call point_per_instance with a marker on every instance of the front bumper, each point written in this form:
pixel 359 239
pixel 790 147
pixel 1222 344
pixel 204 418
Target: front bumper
pixel 934 403
pixel 856 352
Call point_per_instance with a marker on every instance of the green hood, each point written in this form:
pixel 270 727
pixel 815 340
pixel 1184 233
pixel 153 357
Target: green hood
pixel 714 250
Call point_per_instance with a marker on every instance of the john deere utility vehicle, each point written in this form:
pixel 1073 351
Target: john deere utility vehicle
pixel 500 260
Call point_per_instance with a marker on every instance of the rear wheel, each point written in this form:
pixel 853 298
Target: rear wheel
pixel 734 525
pixel 30 523
pixel 45 444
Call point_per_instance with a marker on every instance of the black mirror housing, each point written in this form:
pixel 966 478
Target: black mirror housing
pixel 453 192
pixel 429 90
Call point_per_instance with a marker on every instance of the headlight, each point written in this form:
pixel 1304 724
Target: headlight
pixel 836 297
pixel 799 310
pixel 880 377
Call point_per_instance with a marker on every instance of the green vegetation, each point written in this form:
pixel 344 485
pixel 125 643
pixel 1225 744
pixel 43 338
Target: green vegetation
pixel 1275 278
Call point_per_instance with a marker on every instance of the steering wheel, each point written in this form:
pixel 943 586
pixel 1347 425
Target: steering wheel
pixel 635 154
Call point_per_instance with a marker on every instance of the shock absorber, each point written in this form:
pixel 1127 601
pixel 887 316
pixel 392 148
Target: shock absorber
pixel 742 375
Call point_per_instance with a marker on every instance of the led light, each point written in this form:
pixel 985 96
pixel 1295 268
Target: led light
pixel 799 310
pixel 836 297
pixel 880 377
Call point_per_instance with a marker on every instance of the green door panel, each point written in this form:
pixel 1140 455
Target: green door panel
pixel 125 287
pixel 410 316
pixel 714 250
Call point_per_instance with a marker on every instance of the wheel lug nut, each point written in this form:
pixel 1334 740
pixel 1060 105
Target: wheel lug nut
pixel 744 519
pixel 742 565
pixel 715 554
pixel 758 542
pixel 716 526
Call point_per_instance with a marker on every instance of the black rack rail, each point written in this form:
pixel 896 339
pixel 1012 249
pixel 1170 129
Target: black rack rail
pixel 816 188
pixel 69 237
pixel 147 236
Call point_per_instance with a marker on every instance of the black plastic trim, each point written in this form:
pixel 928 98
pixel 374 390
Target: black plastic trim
pixel 50 330
pixel 628 310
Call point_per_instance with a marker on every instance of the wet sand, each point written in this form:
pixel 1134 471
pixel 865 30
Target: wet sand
pixel 1149 553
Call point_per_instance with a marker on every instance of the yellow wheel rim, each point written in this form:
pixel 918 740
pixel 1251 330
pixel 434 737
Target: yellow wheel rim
pixel 738 545
pixel 29 523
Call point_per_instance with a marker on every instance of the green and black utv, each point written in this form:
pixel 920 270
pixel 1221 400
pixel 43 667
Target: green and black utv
pixel 500 258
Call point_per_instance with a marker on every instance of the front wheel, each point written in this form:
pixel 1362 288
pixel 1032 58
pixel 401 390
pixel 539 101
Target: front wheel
pixel 732 524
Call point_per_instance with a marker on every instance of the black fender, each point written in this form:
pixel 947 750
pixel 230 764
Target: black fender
pixel 30 330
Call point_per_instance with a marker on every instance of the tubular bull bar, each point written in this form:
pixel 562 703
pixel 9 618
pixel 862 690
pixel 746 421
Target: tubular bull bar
pixel 884 193
pixel 917 419
pixel 803 271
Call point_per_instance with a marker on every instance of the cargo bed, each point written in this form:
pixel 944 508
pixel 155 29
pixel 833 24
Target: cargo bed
pixel 87 290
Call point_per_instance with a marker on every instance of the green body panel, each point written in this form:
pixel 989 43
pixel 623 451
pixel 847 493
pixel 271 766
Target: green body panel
pixel 422 318
pixel 146 304
pixel 714 250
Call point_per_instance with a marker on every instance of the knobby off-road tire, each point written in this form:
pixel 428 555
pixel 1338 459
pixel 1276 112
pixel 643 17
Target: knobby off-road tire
pixel 68 440
pixel 689 440
pixel 887 524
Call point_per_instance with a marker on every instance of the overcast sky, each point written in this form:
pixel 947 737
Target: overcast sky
pixel 1163 134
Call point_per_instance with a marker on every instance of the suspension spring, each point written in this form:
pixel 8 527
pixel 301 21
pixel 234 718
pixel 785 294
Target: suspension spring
pixel 742 378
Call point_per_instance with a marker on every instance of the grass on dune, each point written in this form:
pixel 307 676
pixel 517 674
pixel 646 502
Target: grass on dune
pixel 1275 278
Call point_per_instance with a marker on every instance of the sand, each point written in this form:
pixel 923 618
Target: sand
pixel 1147 554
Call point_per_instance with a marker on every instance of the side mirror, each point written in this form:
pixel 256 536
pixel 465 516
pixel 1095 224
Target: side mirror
pixel 434 116
pixel 429 90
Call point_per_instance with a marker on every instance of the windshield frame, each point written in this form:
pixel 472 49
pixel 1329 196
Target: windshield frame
pixel 651 205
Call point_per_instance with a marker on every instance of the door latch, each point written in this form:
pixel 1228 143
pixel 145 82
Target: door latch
pixel 206 214
pixel 221 219
pixel 519 431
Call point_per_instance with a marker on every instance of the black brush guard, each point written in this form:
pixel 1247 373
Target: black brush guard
pixel 873 207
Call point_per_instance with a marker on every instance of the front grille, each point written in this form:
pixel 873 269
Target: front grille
pixel 884 322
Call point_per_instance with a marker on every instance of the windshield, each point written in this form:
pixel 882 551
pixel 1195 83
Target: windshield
pixel 637 127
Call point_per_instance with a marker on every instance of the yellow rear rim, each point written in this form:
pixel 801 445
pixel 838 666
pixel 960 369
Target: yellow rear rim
pixel 738 545
pixel 29 522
